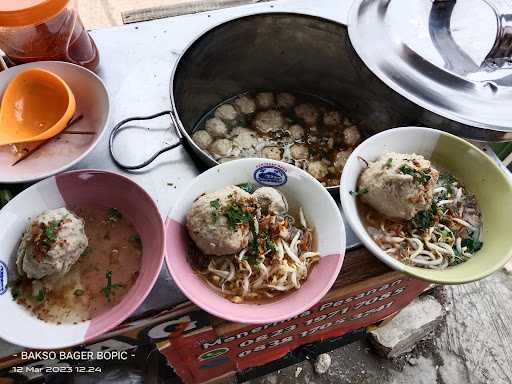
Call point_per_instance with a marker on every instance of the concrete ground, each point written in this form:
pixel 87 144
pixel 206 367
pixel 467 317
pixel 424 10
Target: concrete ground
pixel 473 346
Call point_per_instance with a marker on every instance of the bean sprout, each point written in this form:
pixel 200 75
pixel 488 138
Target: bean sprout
pixel 452 236
pixel 283 260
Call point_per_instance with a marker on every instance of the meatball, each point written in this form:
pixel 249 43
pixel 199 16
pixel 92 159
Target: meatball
pixel 307 112
pixel 202 139
pixel 216 128
pixel 341 159
pixel 246 105
pixel 226 112
pixel 210 229
pixel 221 147
pixel 398 185
pixel 51 244
pixel 285 100
pixel 351 136
pixel 332 182
pixel 296 132
pixel 271 200
pixel 235 152
pixel 246 140
pixel 273 153
pixel 238 130
pixel 318 169
pixel 269 121
pixel 299 151
pixel 265 100
pixel 332 119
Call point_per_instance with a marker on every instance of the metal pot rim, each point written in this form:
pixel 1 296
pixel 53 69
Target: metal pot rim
pixel 174 113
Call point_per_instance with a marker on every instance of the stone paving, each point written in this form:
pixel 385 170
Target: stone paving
pixel 472 346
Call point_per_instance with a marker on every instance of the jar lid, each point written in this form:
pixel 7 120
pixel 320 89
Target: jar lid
pixel 19 13
pixel 450 57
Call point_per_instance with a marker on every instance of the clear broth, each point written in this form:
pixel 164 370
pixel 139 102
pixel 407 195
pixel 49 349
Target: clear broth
pixel 114 246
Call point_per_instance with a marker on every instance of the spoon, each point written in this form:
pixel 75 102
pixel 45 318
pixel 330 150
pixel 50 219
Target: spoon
pixel 36 105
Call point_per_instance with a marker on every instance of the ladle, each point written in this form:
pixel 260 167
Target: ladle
pixel 36 105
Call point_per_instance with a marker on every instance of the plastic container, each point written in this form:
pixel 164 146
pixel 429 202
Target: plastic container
pixel 35 30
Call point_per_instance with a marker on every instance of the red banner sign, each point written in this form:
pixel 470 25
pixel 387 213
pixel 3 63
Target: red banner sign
pixel 209 355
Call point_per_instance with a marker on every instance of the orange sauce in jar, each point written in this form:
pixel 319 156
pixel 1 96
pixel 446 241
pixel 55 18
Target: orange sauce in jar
pixel 35 30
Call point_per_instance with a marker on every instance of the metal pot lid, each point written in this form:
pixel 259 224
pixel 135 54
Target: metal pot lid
pixel 450 57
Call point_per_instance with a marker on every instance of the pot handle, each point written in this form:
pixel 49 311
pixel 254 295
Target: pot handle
pixel 502 48
pixel 118 127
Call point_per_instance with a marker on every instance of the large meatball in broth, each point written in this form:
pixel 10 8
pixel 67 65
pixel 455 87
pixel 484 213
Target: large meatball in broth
pixel 398 185
pixel 269 121
pixel 341 159
pixel 265 100
pixel 285 100
pixel 36 260
pixel 318 169
pixel 332 119
pixel 246 105
pixel 226 112
pixel 221 147
pixel 238 130
pixel 273 153
pixel 296 132
pixel 202 139
pixel 246 139
pixel 299 151
pixel 271 200
pixel 307 112
pixel 209 228
pixel 216 128
pixel 351 136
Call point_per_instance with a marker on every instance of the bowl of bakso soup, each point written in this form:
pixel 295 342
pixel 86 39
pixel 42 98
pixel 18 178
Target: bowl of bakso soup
pixel 429 204
pixel 255 241
pixel 79 252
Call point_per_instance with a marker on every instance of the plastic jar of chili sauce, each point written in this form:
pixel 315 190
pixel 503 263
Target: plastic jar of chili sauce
pixel 35 30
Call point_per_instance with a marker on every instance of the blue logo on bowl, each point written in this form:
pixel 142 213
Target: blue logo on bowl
pixel 3 278
pixel 270 175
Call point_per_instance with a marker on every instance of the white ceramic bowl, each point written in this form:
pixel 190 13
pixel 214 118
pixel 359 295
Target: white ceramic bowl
pixel 92 101
pixel 75 188
pixel 300 189
pixel 480 174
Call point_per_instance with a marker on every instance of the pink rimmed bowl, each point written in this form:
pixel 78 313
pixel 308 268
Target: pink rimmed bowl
pixel 83 187
pixel 301 189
